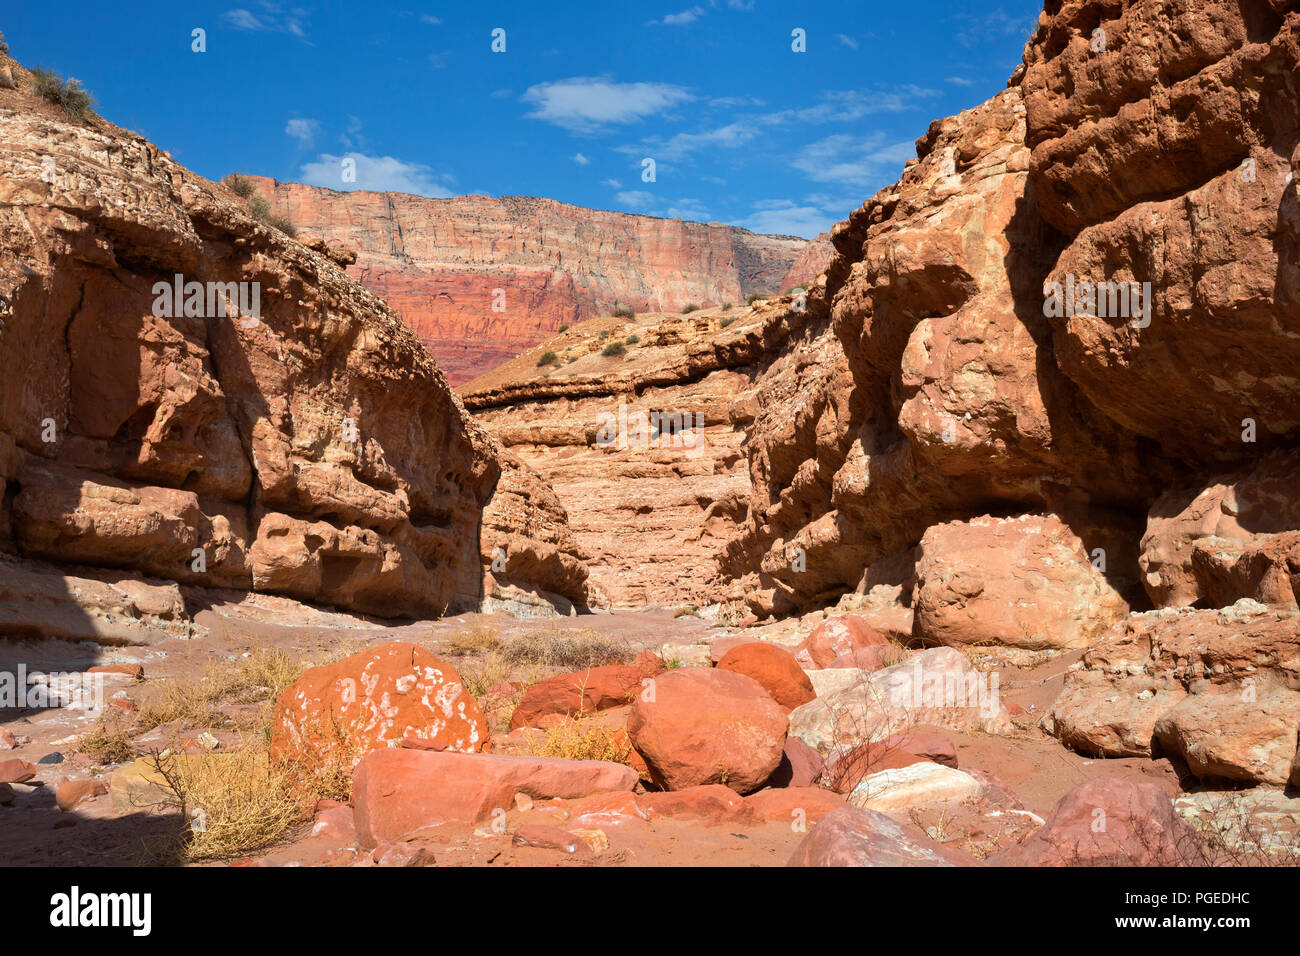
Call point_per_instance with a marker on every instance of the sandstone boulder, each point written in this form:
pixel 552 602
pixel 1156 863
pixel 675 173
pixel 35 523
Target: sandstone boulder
pixel 775 668
pixel 855 837
pixel 1018 582
pixel 696 727
pixel 581 692
pixel 374 699
pixel 1109 821
pixel 836 637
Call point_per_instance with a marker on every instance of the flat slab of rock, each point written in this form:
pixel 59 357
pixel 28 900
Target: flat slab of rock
pixel 911 786
pixel 397 791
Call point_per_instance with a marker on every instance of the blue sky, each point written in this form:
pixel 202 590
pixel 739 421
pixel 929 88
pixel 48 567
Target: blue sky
pixel 741 128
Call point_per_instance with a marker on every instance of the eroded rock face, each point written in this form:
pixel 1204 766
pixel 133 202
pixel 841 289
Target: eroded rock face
pixel 931 393
pixel 1169 157
pixel 305 445
pixel 441 262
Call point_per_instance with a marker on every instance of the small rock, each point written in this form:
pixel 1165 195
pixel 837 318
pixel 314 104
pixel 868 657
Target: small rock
pixel 551 838
pixel 16 771
pixel 72 792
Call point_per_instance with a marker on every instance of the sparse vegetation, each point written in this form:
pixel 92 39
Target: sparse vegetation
pixel 548 358
pixel 632 339
pixel 582 738
pixel 754 297
pixel 232 803
pixel 727 321
pixel 106 743
pixel 726 307
pixel 240 186
pixel 622 312
pixel 69 95
pixel 262 676
pixel 568 649
pixel 4 47
pixel 563 328
pixel 613 349
pixel 692 307
pixel 689 610
pixel 260 210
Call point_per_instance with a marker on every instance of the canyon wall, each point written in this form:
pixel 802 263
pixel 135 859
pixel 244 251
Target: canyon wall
pixel 272 428
pixel 438 262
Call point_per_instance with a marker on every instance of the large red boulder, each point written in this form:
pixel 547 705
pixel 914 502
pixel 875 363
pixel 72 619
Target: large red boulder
pixel 835 637
pixel 1109 821
pixel 582 692
pixel 700 726
pixel 398 791
pixel 382 694
pixel 801 765
pixel 775 668
pixel 797 806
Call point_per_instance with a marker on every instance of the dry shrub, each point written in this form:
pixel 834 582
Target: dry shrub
pixel 477 636
pixel 581 738
pixel 233 803
pixel 567 649
pixel 106 743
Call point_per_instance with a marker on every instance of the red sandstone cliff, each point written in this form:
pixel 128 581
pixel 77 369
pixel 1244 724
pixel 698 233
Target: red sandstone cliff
pixel 315 451
pixel 438 262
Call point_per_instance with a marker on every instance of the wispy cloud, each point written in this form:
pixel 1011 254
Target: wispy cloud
pixel 581 160
pixel 269 18
pixel 959 81
pixel 303 130
pixel 377 173
pixel 586 104
pixel 432 21
pixel 852 160
pixel 847 40
pixel 680 19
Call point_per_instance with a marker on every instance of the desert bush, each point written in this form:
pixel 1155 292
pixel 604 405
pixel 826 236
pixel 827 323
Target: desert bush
pixel 106 743
pixel 231 803
pixel 563 328
pixel 4 47
pixel 581 738
pixel 567 649
pixel 260 209
pixel 690 308
pixel 727 321
pixel 623 312
pixel 726 307
pixel 754 297
pixel 239 185
pixel 632 339
pixel 548 358
pixel 477 636
pixel 261 676
pixel 69 95
pixel 613 349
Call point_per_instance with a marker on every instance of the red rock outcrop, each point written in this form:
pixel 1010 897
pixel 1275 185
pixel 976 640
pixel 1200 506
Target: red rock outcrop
pixel 440 262
pixel 810 262
pixel 306 445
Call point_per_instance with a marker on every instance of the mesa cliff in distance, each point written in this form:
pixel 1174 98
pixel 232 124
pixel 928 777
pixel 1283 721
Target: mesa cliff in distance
pixel 481 279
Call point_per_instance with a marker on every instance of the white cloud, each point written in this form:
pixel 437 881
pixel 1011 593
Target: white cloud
pixel 377 173
pixel 581 160
pixel 848 41
pixel 433 21
pixel 784 217
pixel 851 160
pixel 960 81
pixel 611 183
pixel 303 130
pixel 270 19
pixel 683 18
pixel 692 209
pixel 584 104
pixel 637 199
